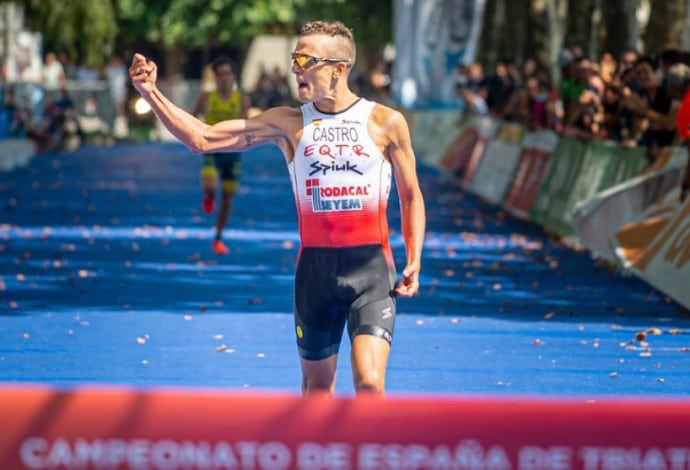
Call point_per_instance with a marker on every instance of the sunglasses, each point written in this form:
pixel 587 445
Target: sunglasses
pixel 305 61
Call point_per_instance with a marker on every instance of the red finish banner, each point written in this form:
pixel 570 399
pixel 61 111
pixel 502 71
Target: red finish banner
pixel 90 428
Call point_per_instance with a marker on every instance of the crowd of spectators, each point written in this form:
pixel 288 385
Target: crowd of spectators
pixel 271 89
pixel 624 99
pixel 36 103
pixel 59 103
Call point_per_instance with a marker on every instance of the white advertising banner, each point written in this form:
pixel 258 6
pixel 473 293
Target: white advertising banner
pixel 656 248
pixel 496 170
pixel 597 219
pixel 433 132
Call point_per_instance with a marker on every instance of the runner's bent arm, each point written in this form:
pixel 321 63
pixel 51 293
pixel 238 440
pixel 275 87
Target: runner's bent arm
pixel 402 157
pixel 200 105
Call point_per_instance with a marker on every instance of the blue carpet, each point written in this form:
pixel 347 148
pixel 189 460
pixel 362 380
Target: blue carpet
pixel 107 277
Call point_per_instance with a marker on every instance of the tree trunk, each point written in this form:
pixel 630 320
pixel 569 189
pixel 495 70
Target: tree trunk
pixel 490 40
pixel 595 29
pixel 537 32
pixel 556 12
pixel 579 24
pixel 666 24
pixel 686 30
pixel 618 17
pixel 515 29
pixel 631 7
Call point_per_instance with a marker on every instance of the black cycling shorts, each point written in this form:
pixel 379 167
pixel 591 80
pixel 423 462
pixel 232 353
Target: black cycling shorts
pixel 228 165
pixel 334 286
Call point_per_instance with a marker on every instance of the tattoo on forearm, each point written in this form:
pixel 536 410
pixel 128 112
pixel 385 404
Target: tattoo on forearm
pixel 249 139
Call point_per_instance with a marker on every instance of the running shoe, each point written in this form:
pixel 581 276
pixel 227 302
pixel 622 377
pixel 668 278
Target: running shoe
pixel 208 204
pixel 219 248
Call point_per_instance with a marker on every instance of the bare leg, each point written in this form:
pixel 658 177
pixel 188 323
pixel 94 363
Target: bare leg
pixel 369 361
pixel 318 377
pixel 209 178
pixel 209 184
pixel 223 212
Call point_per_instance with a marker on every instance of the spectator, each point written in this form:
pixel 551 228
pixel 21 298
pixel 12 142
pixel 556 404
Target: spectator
pixel 28 73
pixel 607 67
pixel 118 84
pixel 627 60
pixel 541 104
pixel 499 88
pixel 655 107
pixel 626 67
pixel 53 74
pixel 51 131
pixel 529 68
pixel 68 65
pixel 618 121
pixel 575 77
pixel 517 109
pixel 666 59
pixel 86 72
pixel 586 116
pixel 470 101
pixel 271 89
pixel 280 82
pixel 379 81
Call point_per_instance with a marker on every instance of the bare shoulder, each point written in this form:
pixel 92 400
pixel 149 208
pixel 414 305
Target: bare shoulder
pixel 389 129
pixel 390 124
pixel 385 116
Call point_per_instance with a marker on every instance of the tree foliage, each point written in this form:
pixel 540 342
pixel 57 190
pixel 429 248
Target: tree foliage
pixel 192 23
pixel 90 30
pixel 84 29
pixel 370 20
pixel 594 26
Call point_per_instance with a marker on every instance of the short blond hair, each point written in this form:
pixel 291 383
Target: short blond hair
pixel 345 42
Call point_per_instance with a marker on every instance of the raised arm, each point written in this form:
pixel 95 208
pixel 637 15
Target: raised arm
pixel 399 151
pixel 231 135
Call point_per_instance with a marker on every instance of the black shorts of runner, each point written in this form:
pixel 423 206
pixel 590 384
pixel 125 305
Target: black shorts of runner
pixel 338 286
pixel 228 165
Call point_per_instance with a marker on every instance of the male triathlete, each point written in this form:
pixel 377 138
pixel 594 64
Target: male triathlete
pixel 223 103
pixel 341 151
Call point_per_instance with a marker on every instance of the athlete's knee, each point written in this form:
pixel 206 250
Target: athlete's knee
pixel 369 359
pixel 370 382
pixel 318 376
pixel 209 178
pixel 318 386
